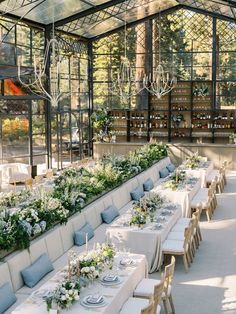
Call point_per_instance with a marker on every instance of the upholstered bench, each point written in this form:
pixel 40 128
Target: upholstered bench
pixel 57 242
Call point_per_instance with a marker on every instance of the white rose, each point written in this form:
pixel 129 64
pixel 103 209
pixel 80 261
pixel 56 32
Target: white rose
pixel 92 268
pixel 63 298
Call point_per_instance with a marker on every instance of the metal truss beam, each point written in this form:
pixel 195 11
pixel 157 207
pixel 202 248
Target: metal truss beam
pixel 89 11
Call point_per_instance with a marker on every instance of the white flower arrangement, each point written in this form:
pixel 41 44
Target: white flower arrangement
pixel 90 272
pixel 65 294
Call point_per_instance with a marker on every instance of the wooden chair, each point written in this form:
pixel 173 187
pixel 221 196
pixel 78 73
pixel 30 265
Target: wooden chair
pixel 29 184
pixel 38 179
pixel 213 188
pixel 150 309
pixel 137 306
pixel 204 198
pixel 151 288
pixel 219 176
pixel 180 248
pixel 196 228
pixel 49 173
pixel 157 297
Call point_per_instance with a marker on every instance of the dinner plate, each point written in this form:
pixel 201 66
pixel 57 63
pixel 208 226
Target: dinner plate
pixel 94 300
pixel 110 283
pixel 85 302
pixel 127 262
pixel 40 293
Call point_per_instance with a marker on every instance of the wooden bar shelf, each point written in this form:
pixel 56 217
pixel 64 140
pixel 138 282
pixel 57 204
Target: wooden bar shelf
pixel 179 115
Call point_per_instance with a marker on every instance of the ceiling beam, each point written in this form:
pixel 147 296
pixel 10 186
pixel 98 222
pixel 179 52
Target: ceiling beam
pixel 89 11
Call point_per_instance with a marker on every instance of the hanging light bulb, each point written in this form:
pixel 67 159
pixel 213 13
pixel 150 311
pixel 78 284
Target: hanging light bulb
pixel 160 82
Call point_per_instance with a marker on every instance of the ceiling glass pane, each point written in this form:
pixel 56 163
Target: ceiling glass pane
pixel 110 18
pixel 214 6
pixel 140 9
pixel 115 16
pixel 45 11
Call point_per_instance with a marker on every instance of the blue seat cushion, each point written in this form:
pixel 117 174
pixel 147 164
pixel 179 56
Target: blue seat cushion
pixel 164 172
pixel 171 167
pixel 137 193
pixel 109 214
pixel 80 235
pixel 7 297
pixel 34 273
pixel 148 185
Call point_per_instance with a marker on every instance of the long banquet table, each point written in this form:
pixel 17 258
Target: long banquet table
pixel 181 196
pixel 202 171
pixel 115 295
pixel 147 241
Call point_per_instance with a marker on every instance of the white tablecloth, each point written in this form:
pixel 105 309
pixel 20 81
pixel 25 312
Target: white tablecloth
pixel 142 241
pixel 202 172
pixel 115 295
pixel 182 197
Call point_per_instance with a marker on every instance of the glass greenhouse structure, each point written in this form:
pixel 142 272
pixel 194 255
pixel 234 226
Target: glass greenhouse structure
pixel 195 39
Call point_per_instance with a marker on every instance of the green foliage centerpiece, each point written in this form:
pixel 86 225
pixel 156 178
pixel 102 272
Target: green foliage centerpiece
pixel 175 180
pixel 145 209
pixel 193 161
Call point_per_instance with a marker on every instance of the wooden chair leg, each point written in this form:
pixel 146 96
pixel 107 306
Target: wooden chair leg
pixel 208 214
pixel 185 260
pixel 199 233
pixel 171 304
pixel 193 248
pixel 190 253
pixel 196 240
pixel 165 303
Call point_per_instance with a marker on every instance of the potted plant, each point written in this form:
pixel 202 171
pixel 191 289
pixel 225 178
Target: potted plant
pixel 101 122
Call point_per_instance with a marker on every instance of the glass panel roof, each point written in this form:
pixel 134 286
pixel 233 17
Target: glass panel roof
pixel 89 20
pixel 47 11
pixel 116 16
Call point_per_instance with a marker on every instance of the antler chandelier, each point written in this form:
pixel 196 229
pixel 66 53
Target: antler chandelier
pixel 160 82
pixel 39 78
pixel 124 84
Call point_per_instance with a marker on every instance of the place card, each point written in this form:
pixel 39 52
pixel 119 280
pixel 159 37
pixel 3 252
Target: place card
pixel 53 311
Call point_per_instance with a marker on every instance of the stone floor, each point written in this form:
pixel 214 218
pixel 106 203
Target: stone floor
pixel 210 285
